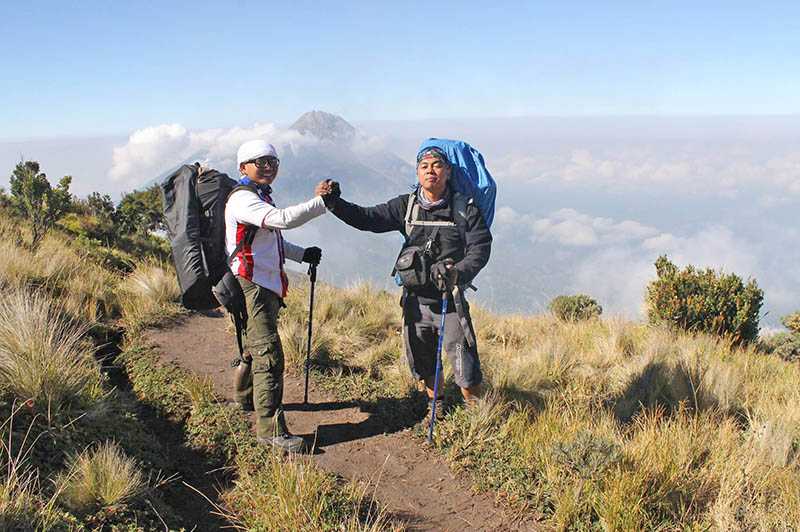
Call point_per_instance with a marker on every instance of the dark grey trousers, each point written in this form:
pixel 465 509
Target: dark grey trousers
pixel 421 335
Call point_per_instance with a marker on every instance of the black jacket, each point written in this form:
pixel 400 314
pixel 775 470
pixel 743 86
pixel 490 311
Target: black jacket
pixel 470 255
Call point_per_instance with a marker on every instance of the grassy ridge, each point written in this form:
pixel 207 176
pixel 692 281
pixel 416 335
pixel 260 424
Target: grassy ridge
pixel 599 424
pixel 608 424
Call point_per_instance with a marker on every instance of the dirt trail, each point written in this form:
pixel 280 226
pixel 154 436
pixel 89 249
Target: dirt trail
pixel 414 483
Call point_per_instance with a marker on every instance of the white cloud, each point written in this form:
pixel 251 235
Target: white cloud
pixel 151 151
pixel 715 247
pixel 572 228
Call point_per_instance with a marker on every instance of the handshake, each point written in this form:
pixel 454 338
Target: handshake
pixel 330 192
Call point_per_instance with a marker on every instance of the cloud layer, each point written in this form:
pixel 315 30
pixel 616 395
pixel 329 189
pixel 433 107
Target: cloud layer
pixel 724 170
pixel 613 260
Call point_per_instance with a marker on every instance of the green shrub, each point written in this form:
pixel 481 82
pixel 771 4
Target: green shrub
pixel 704 301
pixel 575 308
pixel 792 322
pixel 39 202
pixel 786 344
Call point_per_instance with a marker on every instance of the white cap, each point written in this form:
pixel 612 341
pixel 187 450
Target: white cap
pixel 253 149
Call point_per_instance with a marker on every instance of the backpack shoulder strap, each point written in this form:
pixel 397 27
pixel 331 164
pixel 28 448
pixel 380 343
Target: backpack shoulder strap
pixel 459 207
pixel 250 231
pixel 412 211
pixel 412 216
pixel 239 187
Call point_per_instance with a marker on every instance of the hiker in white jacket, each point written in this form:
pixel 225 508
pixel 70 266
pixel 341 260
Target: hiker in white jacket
pixel 254 224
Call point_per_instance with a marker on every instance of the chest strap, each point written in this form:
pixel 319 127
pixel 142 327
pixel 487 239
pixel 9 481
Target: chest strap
pixel 412 217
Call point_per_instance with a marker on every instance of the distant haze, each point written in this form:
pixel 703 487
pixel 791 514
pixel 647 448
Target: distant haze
pixel 584 204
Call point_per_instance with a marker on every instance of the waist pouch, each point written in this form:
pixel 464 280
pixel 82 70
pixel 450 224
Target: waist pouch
pixel 412 268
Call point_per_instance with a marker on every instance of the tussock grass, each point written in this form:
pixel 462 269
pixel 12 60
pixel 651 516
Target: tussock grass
pixel 98 478
pixel 272 493
pixel 148 295
pixel 83 289
pixel 44 355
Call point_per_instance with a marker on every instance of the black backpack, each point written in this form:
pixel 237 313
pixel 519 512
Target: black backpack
pixel 194 211
pixel 194 201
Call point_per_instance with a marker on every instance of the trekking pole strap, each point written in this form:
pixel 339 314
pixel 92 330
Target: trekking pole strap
pixel 312 274
pixel 240 324
pixel 438 367
pixel 458 299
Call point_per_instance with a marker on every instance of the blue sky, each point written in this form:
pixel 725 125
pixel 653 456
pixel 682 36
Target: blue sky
pixel 99 68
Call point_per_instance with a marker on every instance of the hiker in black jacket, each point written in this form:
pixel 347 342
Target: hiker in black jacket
pixel 459 243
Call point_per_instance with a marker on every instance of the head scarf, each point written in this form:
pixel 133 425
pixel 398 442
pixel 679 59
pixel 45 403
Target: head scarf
pixel 434 152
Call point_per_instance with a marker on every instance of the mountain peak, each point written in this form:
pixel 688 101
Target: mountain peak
pixel 325 126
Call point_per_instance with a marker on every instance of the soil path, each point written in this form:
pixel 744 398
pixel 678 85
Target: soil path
pixel 414 483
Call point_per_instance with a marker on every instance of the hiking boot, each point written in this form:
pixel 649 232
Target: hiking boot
pixel 287 443
pixel 282 439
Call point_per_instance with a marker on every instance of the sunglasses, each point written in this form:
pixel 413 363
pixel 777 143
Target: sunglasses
pixel 262 162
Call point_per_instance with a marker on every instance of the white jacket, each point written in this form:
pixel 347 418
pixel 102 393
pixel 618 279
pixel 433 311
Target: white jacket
pixel 262 262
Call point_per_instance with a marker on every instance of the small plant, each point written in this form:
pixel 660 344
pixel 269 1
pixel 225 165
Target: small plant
pixel 704 301
pixel 575 308
pixel 99 478
pixel 588 456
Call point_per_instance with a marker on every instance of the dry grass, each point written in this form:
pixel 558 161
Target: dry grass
pixel 45 356
pixel 148 295
pixel 83 289
pixel 358 326
pixel 273 493
pixel 603 423
pixel 98 478
pixel 23 505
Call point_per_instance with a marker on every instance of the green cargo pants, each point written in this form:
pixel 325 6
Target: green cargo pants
pixel 263 345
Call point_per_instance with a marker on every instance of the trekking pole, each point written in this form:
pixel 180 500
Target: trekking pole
pixel 312 273
pixel 438 367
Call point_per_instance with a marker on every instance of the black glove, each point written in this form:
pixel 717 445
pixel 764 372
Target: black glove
pixel 444 274
pixel 331 197
pixel 312 255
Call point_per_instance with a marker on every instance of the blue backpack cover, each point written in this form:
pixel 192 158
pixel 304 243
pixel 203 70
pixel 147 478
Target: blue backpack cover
pixel 472 178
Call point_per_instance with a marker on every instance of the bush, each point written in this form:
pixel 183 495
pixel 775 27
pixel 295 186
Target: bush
pixel 704 301
pixel 575 308
pixel 792 322
pixel 786 344
pixel 34 198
